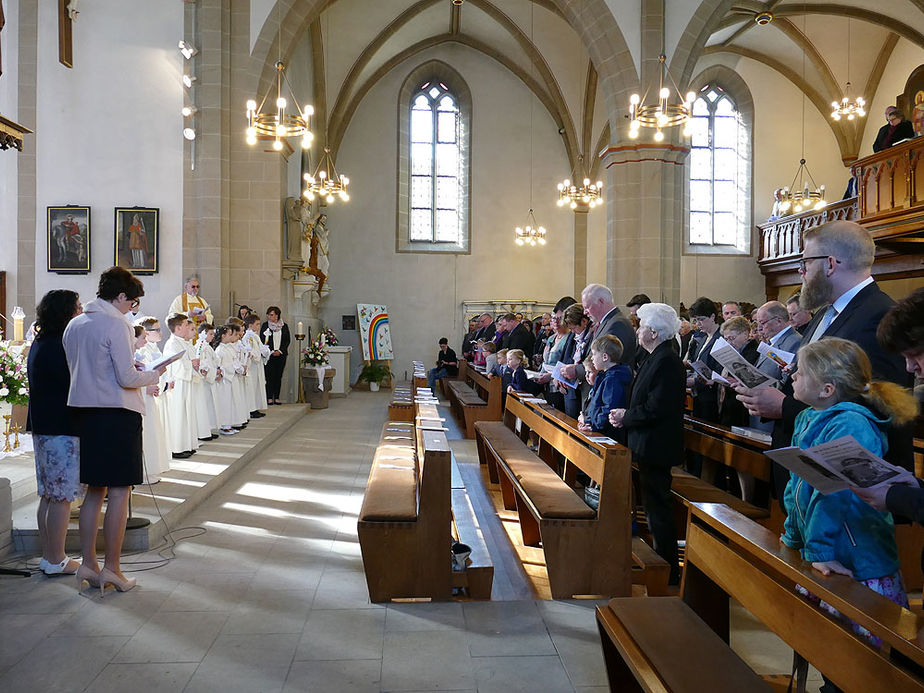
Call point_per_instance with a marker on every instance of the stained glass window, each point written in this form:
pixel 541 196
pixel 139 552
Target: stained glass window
pixel 719 171
pixel 436 168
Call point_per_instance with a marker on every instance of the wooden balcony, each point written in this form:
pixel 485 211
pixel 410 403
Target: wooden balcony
pixel 890 204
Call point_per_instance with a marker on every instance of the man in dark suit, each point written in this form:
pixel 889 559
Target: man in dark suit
pixel 486 327
pixel 837 258
pixel 516 335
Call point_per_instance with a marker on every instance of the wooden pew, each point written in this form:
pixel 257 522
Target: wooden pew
pixel 474 397
pixel 729 556
pixel 586 552
pixel 404 521
pixel 401 407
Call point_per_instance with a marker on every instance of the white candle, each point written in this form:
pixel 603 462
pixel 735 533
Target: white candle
pixel 301 328
pixel 18 316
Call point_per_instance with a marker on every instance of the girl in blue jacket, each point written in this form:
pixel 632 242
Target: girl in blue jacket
pixel 838 532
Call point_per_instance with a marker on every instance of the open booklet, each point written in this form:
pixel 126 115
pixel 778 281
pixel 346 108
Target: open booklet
pixel 738 367
pixel 165 361
pixel 706 373
pixel 839 464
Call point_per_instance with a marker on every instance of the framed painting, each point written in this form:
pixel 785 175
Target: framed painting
pixel 137 236
pixel 69 239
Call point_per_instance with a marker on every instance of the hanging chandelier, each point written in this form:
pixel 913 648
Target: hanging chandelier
pixel 661 114
pixel 848 108
pixel 284 122
pixel 326 183
pixel 799 198
pixel 532 234
pixel 587 193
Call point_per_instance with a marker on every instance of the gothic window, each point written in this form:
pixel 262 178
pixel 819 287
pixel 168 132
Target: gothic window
pixel 720 173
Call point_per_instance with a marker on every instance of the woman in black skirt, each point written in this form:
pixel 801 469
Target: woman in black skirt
pixel 275 333
pixel 106 395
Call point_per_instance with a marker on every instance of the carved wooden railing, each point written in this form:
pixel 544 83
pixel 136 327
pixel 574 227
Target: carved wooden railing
pixel 781 239
pixel 891 189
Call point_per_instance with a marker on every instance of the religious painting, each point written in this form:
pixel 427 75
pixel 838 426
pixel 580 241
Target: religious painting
pixel 374 332
pixel 911 101
pixel 136 239
pixel 69 239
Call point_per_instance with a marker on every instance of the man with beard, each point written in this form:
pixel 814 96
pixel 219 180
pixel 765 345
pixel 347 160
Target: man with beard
pixel 836 261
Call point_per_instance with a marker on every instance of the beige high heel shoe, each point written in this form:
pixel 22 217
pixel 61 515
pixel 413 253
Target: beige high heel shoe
pixel 107 577
pixel 86 573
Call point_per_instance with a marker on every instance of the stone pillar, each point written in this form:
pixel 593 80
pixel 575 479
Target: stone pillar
pixel 28 227
pixel 580 248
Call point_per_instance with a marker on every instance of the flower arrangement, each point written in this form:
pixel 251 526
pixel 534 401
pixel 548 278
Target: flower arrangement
pixel 315 354
pixel 14 384
pixel 330 337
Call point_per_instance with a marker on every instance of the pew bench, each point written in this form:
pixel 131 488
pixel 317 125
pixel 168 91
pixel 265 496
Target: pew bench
pixel 401 407
pixel 404 521
pixel 477 579
pixel 586 552
pixel 467 405
pixel 729 556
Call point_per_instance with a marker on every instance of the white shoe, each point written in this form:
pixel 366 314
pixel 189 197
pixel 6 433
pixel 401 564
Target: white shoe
pixel 59 568
pixel 227 432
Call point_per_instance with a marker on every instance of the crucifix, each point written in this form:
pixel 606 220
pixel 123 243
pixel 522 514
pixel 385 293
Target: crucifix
pixel 67 13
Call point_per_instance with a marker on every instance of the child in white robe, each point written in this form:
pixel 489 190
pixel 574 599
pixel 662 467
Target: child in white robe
pixel 181 410
pixel 226 352
pixel 154 442
pixel 238 387
pixel 256 376
pixel 208 369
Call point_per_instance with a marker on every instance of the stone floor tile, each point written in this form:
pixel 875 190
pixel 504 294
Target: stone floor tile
pixel 146 678
pixel 245 663
pixel 61 665
pixel 19 633
pixel 343 589
pixel 527 674
pixel 270 611
pixel 429 660
pixel 416 617
pixel 506 628
pixel 181 636
pixel 342 634
pixel 335 676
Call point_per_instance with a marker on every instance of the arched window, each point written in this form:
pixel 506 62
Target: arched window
pixel 435 165
pixel 434 125
pixel 720 174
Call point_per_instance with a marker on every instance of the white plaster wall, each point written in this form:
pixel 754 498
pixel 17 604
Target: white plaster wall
pixel 424 292
pixel 905 58
pixel 628 14
pixel 109 133
pixel 259 12
pixel 777 149
pixel 9 188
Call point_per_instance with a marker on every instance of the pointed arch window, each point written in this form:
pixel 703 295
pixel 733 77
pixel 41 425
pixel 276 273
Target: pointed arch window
pixel 720 174
pixel 434 161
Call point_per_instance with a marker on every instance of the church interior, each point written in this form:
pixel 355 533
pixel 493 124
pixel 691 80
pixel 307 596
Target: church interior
pixel 441 134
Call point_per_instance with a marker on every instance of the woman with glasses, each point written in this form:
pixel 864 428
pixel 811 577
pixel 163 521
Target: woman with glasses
pixel 106 397
pixel 895 129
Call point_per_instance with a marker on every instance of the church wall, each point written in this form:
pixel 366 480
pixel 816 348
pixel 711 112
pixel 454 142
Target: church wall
pixel 9 159
pixel 111 134
pixel 777 147
pixel 424 292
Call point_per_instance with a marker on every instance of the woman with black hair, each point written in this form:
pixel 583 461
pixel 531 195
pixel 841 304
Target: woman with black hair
pixel 275 334
pixel 54 429
pixel 105 392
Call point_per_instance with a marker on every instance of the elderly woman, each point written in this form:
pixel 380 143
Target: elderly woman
pixel 105 394
pixel 895 129
pixel 54 429
pixel 654 424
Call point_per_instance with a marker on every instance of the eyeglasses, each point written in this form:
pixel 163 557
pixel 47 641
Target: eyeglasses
pixel 814 257
pixel 153 329
pixel 136 303
pixel 761 323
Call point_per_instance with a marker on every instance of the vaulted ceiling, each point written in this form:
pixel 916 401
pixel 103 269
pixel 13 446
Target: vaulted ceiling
pixel 807 43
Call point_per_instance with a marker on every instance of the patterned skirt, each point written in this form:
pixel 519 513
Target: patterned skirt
pixel 57 467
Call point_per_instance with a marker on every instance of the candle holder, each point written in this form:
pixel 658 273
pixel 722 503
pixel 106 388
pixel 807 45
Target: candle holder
pixel 16 428
pixel 6 433
pixel 301 390
pixel 18 316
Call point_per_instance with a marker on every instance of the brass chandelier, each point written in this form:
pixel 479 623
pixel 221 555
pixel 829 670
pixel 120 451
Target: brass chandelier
pixel 848 108
pixel 797 199
pixel 326 183
pixel 587 193
pixel 532 234
pixel 282 123
pixel 661 114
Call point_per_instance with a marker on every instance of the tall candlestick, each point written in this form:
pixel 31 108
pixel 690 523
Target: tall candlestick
pixel 18 315
pixel 301 328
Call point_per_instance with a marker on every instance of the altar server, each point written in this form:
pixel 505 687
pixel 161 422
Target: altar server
pixel 154 441
pixel 183 424
pixel 256 376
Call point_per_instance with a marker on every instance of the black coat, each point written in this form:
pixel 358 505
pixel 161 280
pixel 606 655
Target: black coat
pixel 858 323
pixel 654 417
pixel 283 344
pixel 49 384
pixel 519 338
pixel 904 130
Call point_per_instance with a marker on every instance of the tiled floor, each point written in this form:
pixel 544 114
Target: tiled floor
pixel 272 598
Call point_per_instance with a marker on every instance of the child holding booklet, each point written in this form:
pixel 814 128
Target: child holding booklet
pixel 838 532
pixel 258 354
pixel 223 345
pixel 183 424
pixel 154 442
pixel 206 399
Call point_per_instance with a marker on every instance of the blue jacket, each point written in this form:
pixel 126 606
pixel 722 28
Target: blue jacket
pixel 609 392
pixel 840 526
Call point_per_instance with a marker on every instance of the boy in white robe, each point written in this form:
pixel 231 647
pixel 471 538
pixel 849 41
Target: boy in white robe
pixel 181 410
pixel 208 370
pixel 226 351
pixel 256 377
pixel 154 442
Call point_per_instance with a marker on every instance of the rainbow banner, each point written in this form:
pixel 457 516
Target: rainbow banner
pixel 374 332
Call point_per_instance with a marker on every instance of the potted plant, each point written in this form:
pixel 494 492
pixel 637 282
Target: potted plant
pixel 374 374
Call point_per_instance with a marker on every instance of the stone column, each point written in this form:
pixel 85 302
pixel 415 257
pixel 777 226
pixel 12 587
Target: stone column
pixel 580 248
pixel 28 227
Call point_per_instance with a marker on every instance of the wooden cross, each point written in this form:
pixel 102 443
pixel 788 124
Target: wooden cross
pixel 65 34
